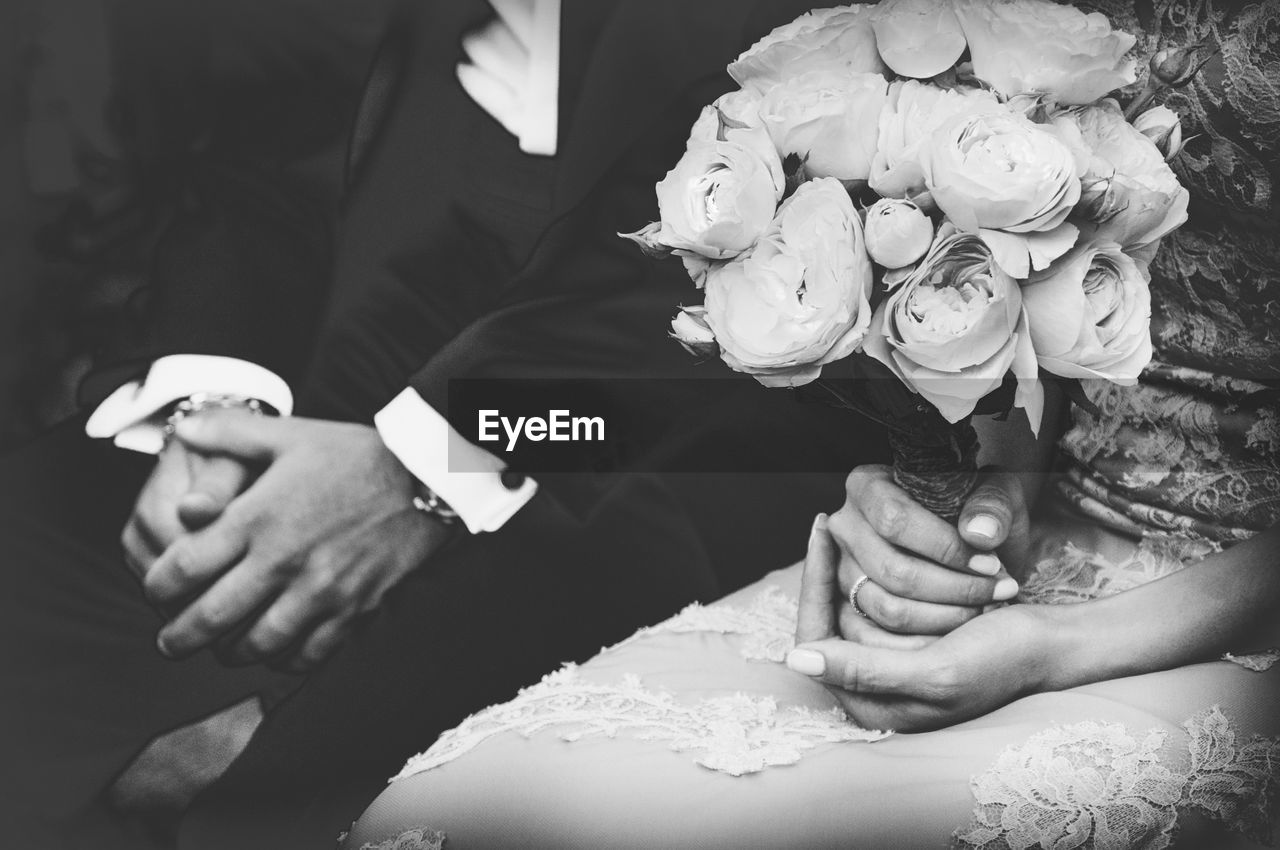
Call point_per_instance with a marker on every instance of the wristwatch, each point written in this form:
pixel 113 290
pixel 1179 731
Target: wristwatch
pixel 197 402
pixel 429 502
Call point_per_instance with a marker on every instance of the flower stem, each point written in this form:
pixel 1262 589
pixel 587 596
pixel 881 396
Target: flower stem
pixel 938 470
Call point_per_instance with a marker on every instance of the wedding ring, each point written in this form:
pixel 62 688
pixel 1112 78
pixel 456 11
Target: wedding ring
pixel 853 596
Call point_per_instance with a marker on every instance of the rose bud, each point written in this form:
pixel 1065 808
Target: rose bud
pixel 800 299
pixel 1160 124
pixel 1090 315
pixel 1175 67
pixel 691 330
pixel 898 233
pixel 1097 200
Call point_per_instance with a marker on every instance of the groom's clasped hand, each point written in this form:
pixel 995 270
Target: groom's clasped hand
pixel 267 538
pixel 892 605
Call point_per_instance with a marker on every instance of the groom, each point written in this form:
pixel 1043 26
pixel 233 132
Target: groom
pixel 485 188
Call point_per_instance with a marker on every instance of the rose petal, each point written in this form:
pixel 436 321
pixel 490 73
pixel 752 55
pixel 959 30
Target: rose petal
pixel 917 38
pixel 1009 251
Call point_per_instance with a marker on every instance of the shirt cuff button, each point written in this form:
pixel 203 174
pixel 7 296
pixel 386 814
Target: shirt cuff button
pixel 512 480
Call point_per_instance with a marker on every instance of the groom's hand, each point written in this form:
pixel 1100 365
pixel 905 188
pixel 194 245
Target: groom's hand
pixel 186 491
pixel 923 575
pixel 281 575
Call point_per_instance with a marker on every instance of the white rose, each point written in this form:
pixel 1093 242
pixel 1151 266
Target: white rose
pixel 955 327
pixel 1040 46
pixel 721 195
pixel 898 233
pixel 917 38
pixel 800 299
pixel 1140 199
pixel 829 119
pixel 741 107
pixel 824 39
pixel 1161 125
pixel 913 110
pixel 1090 315
pixel 1013 182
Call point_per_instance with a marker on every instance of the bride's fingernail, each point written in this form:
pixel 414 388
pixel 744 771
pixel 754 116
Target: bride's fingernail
pixel 1006 589
pixel 806 662
pixel 987 565
pixel 819 523
pixel 983 525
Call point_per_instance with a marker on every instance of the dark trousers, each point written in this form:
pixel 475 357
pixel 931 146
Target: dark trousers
pixel 85 689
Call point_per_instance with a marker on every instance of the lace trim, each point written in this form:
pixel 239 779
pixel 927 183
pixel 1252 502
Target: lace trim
pixel 769 624
pixel 1095 784
pixel 415 839
pixel 735 734
pixel 1232 779
pixel 1258 662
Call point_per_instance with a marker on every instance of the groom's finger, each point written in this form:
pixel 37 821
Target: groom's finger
pixel 215 481
pixel 231 599
pixel 318 647
pixel 819 586
pixel 139 553
pixel 285 623
pixel 235 432
pixel 194 561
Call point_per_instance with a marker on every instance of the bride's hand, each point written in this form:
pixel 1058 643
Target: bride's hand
pixel 916 684
pixel 913 573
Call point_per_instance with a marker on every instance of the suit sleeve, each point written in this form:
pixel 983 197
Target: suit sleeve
pixel 241 112
pixel 587 305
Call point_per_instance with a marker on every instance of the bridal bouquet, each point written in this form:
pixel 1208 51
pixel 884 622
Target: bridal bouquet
pixel 938 193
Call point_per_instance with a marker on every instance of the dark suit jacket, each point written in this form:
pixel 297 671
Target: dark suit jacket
pixel 459 256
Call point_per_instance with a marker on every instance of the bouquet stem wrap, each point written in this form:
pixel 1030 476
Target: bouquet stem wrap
pixel 938 468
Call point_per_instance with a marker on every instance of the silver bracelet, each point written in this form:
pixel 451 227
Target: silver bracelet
pixel 197 402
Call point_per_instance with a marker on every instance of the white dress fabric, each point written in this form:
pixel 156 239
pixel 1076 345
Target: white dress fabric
pixel 692 734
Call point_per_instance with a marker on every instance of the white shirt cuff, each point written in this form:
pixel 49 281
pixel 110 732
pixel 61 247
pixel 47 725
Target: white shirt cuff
pixel 128 416
pixel 424 441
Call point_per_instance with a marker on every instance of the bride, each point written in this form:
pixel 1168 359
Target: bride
pixel 874 697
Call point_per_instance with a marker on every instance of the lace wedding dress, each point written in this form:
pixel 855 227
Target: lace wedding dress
pixel 692 734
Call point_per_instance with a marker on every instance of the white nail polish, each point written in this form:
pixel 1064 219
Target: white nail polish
pixel 1006 589
pixel 987 565
pixel 983 525
pixel 806 662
